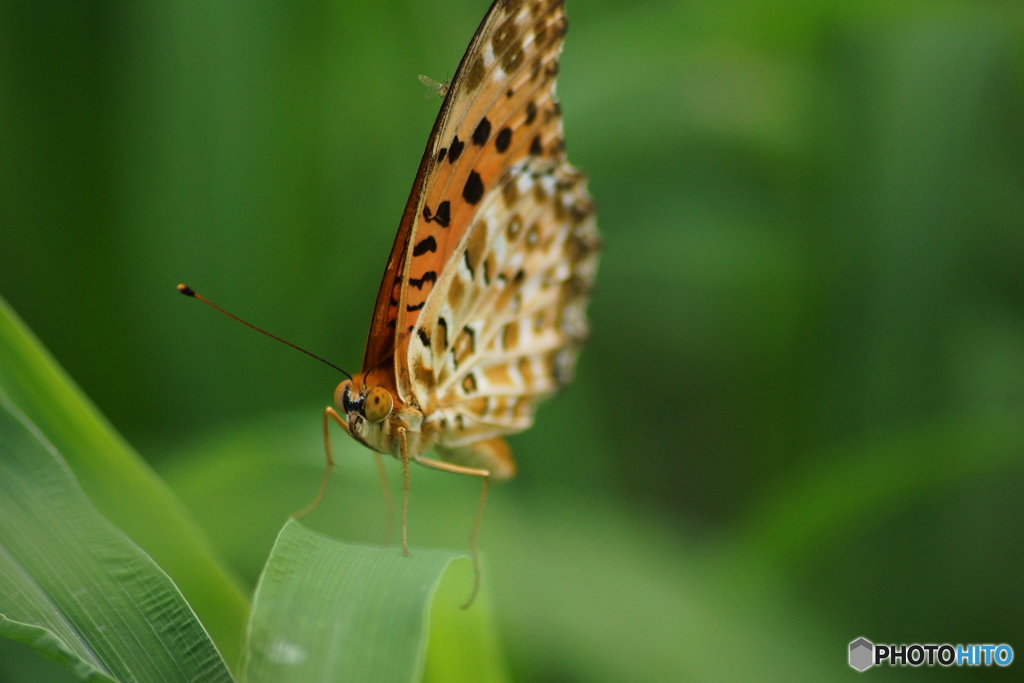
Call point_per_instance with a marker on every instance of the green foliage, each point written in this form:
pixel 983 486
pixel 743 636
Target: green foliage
pixel 117 481
pixel 77 589
pixel 795 423
pixel 327 611
pixel 72 585
pixel 79 592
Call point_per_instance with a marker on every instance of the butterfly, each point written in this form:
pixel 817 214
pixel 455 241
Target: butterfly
pixel 481 310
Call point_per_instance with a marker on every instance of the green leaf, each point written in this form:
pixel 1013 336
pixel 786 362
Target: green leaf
pixel 74 588
pixel 584 587
pixel 327 610
pixel 118 482
pixel 464 643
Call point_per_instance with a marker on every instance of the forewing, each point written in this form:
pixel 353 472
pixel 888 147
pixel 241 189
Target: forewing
pixel 499 111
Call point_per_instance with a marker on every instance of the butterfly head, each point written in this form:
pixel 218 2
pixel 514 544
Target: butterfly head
pixel 373 404
pixel 375 415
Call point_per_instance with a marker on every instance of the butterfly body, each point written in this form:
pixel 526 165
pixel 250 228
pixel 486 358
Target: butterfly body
pixel 406 426
pixel 380 432
pixel 480 313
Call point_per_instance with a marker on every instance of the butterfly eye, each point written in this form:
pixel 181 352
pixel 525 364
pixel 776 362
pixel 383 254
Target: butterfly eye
pixel 341 396
pixel 378 404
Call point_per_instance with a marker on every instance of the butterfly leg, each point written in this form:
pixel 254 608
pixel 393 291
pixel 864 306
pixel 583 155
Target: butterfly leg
pixel 389 501
pixel 485 475
pixel 332 414
pixel 403 451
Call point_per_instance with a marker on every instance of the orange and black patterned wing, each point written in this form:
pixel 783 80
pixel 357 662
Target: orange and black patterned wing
pixel 502 331
pixel 503 324
pixel 499 111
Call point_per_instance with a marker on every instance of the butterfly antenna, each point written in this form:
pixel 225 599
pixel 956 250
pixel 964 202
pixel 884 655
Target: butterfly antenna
pixel 188 291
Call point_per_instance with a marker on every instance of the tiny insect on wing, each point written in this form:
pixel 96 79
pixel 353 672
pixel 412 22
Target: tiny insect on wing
pixel 434 88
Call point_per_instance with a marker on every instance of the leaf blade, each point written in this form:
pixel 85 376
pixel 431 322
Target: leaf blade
pixel 118 482
pixel 327 610
pixel 74 587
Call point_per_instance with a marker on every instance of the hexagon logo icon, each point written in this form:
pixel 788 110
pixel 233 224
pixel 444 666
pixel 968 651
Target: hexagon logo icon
pixel 862 653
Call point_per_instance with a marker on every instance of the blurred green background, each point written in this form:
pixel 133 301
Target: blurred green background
pixel 805 385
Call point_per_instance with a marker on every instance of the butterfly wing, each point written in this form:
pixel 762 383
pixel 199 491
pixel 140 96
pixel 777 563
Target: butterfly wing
pixel 499 111
pixel 501 326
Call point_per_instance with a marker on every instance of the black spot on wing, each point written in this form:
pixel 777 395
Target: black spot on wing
pixel 416 307
pixel 482 133
pixel 424 337
pixel 503 140
pixel 531 112
pixel 474 188
pixel 429 276
pixel 444 214
pixel 443 217
pixel 535 147
pixel 455 150
pixel 425 246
